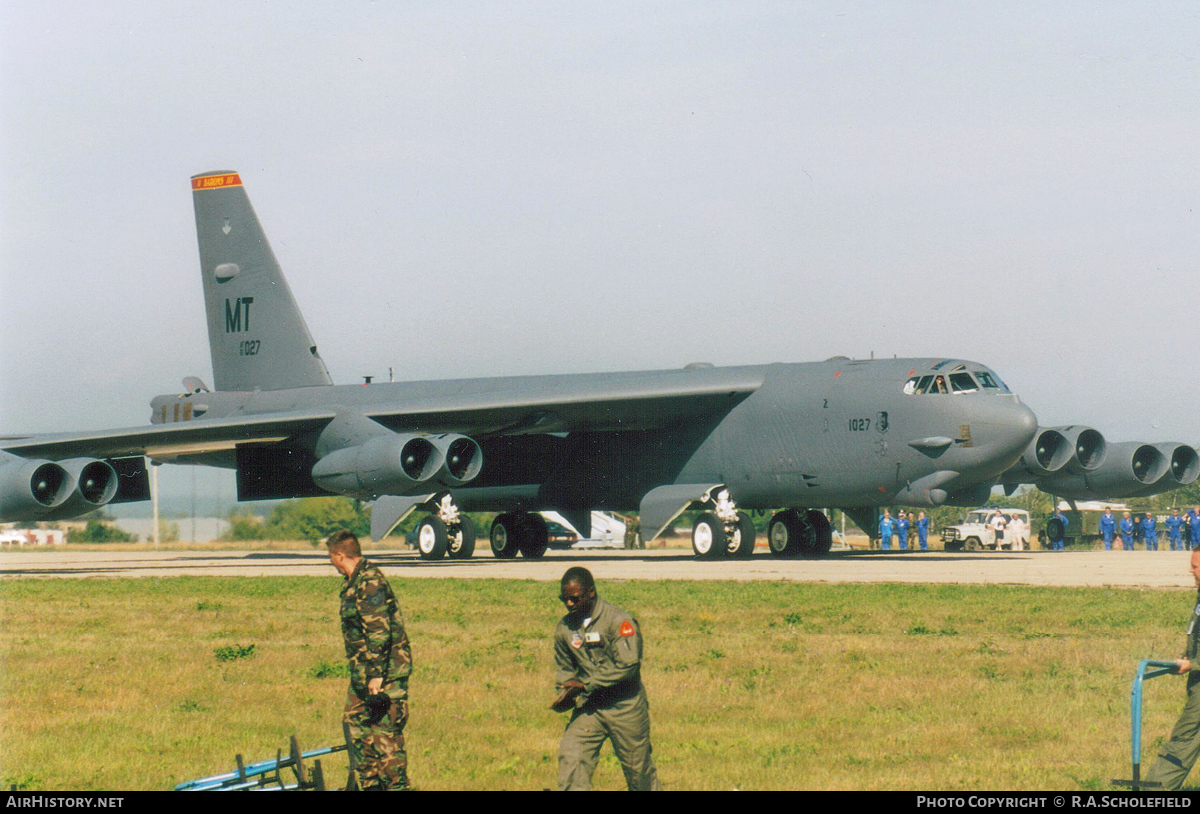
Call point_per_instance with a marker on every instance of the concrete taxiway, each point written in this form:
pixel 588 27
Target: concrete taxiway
pixel 1161 569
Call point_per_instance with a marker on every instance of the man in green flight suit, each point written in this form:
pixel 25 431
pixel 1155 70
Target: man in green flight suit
pixel 597 655
pixel 1179 754
pixel 380 664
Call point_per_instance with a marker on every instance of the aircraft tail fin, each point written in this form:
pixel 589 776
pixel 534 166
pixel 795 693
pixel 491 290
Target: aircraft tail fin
pixel 256 332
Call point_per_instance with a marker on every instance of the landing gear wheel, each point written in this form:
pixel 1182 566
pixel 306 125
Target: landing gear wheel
pixel 462 545
pixel 432 538
pixel 784 534
pixel 708 537
pixel 817 541
pixel 535 538
pixel 741 542
pixel 505 536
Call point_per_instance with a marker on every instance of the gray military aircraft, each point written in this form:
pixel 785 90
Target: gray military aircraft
pixel 852 434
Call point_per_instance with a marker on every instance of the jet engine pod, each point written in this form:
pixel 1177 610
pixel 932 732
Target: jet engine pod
pixel 96 481
pixel 1183 466
pixel 1049 451
pixel 31 489
pixel 384 465
pixel 1127 470
pixel 95 485
pixel 1146 463
pixel 463 459
pixel 1087 446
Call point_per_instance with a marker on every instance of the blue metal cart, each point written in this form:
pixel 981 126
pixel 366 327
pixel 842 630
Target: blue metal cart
pixel 1149 668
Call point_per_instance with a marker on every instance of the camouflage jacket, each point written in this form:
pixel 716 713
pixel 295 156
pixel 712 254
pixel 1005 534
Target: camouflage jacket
pixel 373 628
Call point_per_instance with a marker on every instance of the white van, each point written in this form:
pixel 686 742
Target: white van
pixel 977 532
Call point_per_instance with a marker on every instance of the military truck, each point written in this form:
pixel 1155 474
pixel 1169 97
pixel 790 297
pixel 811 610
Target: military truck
pixel 975 534
pixel 1083 523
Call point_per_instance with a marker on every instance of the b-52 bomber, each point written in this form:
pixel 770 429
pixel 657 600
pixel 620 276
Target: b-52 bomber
pixel 849 434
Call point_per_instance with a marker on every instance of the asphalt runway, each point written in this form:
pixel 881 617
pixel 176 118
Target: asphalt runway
pixel 1155 569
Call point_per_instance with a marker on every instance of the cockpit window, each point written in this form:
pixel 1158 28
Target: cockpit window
pixel 963 383
pixel 919 385
pixel 958 381
pixel 990 381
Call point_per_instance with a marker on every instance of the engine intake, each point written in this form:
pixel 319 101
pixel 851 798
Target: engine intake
pixel 1183 466
pixel 1087 447
pixel 95 485
pixel 31 489
pixel 463 459
pixel 1048 452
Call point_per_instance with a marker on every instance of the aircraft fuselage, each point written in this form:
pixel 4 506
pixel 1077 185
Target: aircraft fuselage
pixel 834 433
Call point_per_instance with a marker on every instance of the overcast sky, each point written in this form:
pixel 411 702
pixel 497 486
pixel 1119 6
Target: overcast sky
pixel 473 189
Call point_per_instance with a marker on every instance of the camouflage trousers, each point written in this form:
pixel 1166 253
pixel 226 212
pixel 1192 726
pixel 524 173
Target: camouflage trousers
pixel 379 749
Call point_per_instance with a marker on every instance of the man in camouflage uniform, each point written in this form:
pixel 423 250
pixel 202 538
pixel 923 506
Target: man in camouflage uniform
pixel 1179 754
pixel 598 654
pixel 380 664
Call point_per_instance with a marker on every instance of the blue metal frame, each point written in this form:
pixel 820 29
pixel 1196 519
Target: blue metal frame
pixel 239 780
pixel 1149 668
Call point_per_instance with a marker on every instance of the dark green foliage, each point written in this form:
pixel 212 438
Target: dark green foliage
pixel 233 652
pixel 97 531
pixel 310 518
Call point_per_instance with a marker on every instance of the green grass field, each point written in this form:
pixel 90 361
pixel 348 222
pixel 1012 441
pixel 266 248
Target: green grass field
pixel 142 684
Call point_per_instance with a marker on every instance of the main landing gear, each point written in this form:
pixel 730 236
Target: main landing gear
pixel 519 532
pixel 723 532
pixel 447 532
pixel 796 534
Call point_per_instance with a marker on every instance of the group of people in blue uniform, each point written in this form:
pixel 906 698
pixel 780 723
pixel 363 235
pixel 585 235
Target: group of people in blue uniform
pixel 1183 530
pixel 900 526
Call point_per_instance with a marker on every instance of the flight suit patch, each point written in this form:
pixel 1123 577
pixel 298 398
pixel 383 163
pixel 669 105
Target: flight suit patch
pixel 576 641
pixel 592 638
pixel 627 629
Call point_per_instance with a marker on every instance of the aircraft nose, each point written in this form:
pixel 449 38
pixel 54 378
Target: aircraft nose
pixel 1016 426
pixel 1025 424
pixel 1000 431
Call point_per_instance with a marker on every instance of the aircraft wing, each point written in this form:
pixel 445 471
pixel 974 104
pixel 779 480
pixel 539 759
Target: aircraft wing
pixel 586 406
pixel 589 405
pixel 168 440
